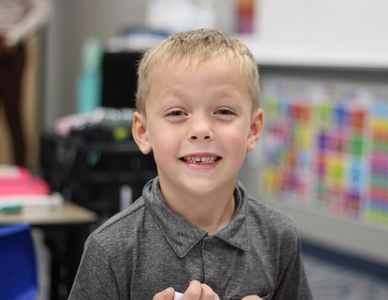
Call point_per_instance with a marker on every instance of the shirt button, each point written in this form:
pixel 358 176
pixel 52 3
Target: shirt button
pixel 209 246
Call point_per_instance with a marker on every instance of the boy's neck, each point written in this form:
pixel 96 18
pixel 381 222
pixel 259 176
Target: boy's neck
pixel 210 213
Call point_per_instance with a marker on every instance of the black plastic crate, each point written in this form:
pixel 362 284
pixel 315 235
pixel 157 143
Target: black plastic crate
pixel 93 173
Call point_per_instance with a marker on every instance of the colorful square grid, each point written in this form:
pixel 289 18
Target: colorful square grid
pixel 377 209
pixel 327 151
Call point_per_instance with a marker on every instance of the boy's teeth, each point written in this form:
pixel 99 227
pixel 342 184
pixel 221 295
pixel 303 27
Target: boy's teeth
pixel 200 159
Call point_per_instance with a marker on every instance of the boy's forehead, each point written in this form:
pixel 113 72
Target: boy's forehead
pixel 169 77
pixel 213 71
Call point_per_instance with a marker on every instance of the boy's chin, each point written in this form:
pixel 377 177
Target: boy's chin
pixel 203 187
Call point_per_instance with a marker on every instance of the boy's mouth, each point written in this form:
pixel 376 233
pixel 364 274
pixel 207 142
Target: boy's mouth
pixel 200 159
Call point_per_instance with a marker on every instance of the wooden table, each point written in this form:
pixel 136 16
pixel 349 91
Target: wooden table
pixel 67 213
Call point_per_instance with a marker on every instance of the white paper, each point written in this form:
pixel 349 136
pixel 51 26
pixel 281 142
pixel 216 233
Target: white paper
pixel 178 296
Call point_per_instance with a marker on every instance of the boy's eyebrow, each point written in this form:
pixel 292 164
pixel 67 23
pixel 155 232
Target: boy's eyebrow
pixel 225 92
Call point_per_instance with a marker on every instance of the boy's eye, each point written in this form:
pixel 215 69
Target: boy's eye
pixel 225 112
pixel 176 113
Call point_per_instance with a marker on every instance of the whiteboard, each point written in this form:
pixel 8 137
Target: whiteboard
pixel 325 32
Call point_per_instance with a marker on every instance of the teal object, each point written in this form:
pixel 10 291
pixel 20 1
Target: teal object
pixel 11 208
pixel 88 92
pixel 89 80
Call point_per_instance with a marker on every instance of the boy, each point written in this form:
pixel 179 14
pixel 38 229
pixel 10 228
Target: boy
pixel 195 230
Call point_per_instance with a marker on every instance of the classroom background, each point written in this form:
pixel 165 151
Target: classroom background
pixel 323 156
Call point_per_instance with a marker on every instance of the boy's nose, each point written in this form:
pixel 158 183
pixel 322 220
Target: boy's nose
pixel 201 130
pixel 197 136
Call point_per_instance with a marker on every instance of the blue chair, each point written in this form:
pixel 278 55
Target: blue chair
pixel 18 271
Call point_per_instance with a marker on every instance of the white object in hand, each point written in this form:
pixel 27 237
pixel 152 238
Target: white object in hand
pixel 178 296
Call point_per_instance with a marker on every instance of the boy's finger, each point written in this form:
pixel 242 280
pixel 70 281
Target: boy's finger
pixel 167 294
pixel 193 292
pixel 208 293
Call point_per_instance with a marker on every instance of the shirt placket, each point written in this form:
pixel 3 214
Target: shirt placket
pixel 209 261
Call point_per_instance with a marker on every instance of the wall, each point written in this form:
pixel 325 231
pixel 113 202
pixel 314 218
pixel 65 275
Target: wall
pixel 324 26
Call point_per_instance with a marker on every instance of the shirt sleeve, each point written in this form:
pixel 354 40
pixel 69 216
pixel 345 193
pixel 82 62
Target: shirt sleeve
pixel 37 15
pixel 95 278
pixel 293 284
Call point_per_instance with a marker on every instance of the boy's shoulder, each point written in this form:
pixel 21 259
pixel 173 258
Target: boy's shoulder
pixel 120 226
pixel 265 210
pixel 269 221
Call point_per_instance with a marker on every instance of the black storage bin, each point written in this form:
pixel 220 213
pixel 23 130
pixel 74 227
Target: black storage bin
pixel 93 174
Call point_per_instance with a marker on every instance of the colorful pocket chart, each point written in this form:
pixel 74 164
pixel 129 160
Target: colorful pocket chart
pixel 288 155
pixel 377 209
pixel 327 148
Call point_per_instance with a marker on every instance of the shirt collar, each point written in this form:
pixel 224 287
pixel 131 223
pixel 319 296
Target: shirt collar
pixel 181 234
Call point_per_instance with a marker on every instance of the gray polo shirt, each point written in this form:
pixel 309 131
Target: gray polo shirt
pixel 147 248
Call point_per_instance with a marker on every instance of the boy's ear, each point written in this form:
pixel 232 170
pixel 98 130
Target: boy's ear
pixel 255 129
pixel 139 132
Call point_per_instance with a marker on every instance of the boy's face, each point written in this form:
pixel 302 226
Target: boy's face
pixel 199 125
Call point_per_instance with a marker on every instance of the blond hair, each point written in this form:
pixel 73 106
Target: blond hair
pixel 195 47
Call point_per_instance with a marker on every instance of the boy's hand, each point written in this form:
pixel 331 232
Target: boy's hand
pixel 167 294
pixel 195 291
pixel 199 291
